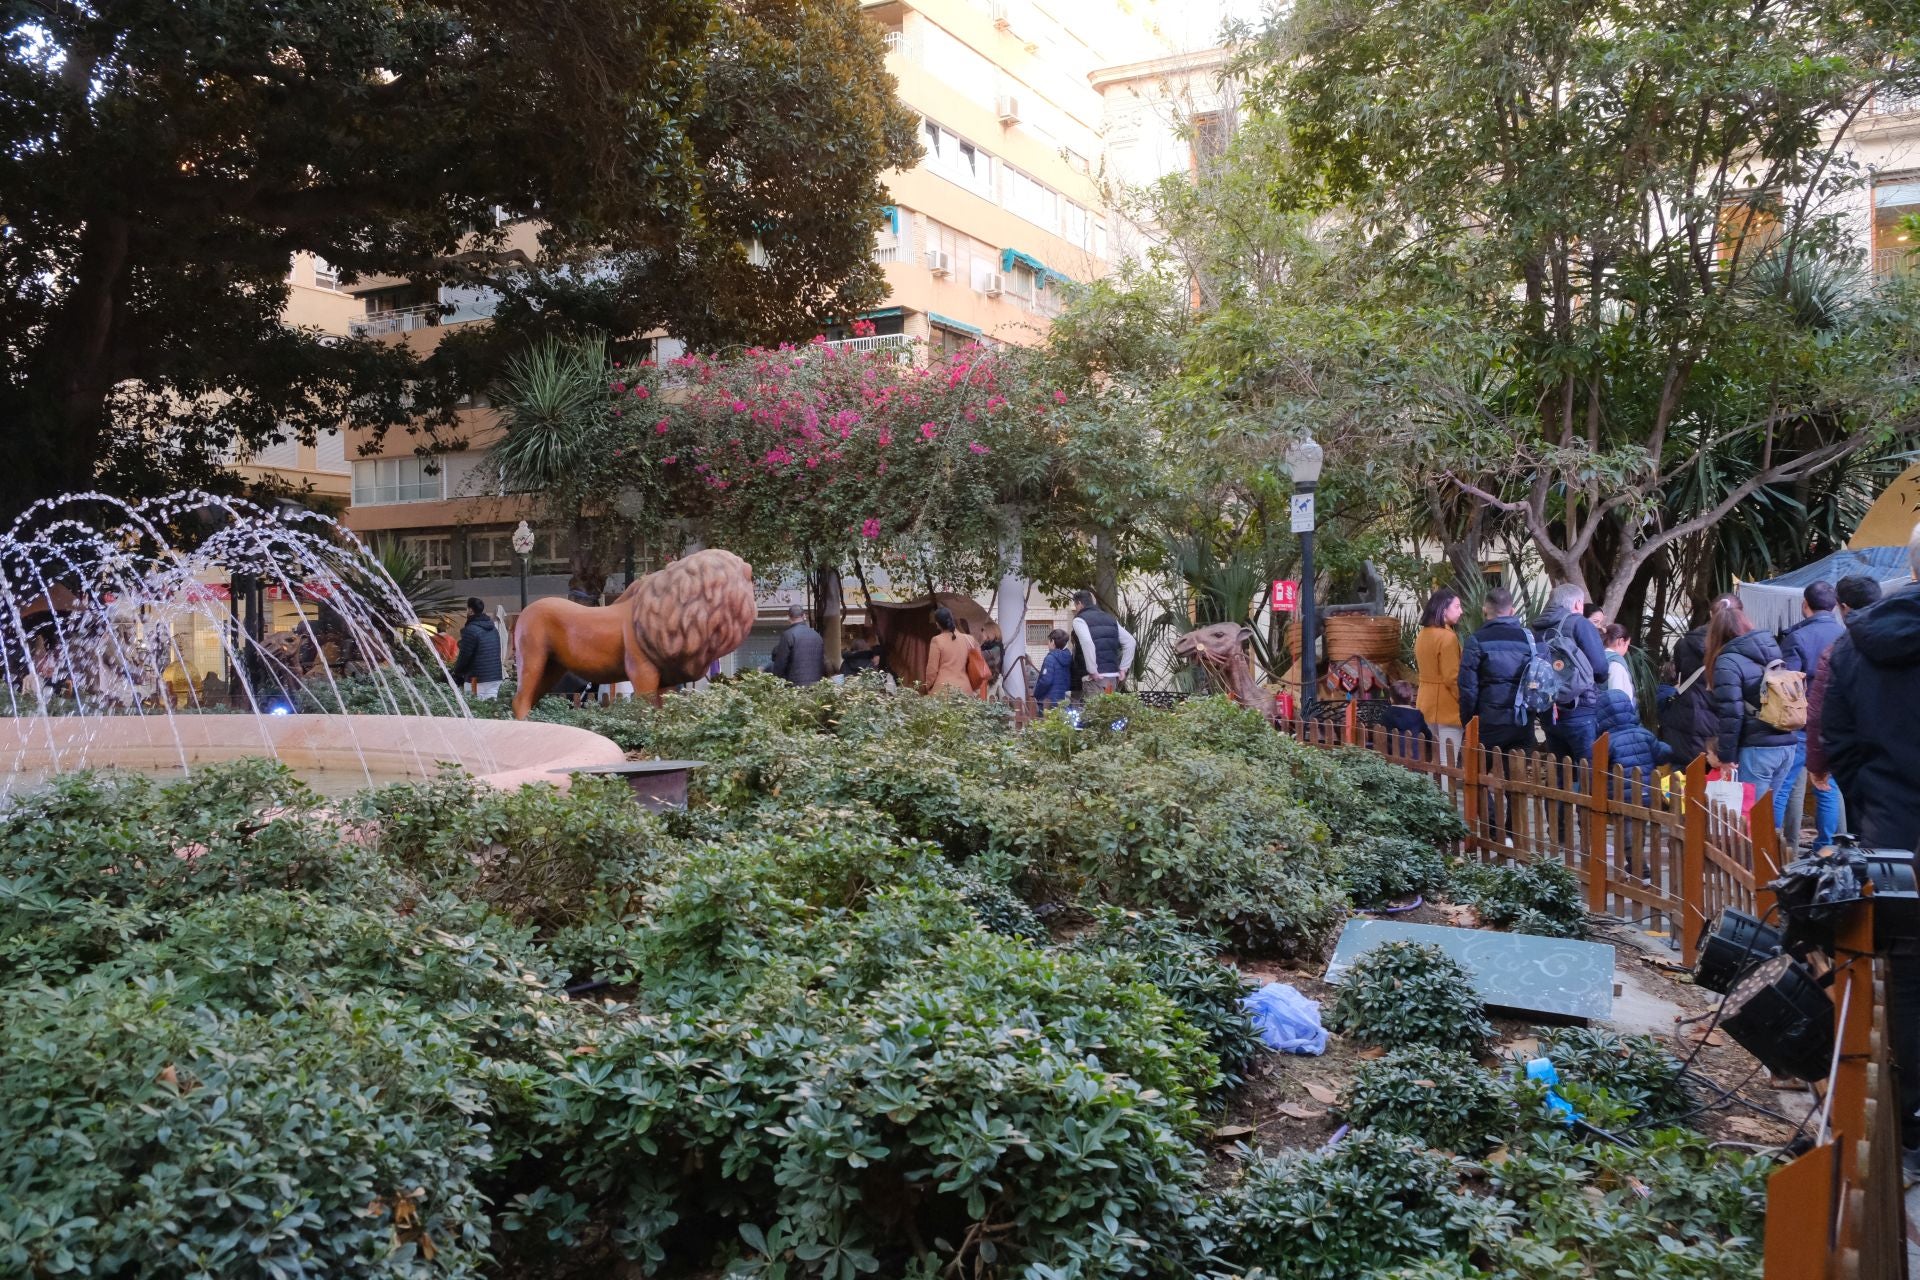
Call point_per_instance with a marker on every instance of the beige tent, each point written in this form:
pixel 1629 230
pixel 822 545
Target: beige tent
pixel 1889 521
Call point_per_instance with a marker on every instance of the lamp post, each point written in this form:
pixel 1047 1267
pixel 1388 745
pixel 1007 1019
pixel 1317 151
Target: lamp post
pixel 523 547
pixel 1304 460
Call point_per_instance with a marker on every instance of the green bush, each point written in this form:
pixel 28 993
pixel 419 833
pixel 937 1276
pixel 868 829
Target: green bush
pixel 146 1135
pixel 1356 793
pixel 1636 1072
pixel 1378 870
pixel 1366 1204
pixel 1441 1097
pixel 1405 994
pixel 1539 897
pixel 1185 966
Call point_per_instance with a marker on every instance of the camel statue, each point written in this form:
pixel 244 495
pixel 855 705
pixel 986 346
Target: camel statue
pixel 1220 650
pixel 665 629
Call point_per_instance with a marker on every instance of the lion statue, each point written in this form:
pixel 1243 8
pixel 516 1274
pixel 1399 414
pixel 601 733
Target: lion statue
pixel 1220 651
pixel 665 629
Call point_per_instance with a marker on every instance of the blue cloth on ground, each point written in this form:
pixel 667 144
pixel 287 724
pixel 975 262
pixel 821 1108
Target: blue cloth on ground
pixel 1286 1020
pixel 1543 1070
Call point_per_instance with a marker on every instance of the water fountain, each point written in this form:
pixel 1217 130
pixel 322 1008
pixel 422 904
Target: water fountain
pixel 110 611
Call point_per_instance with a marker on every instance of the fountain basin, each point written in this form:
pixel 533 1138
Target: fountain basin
pixel 337 754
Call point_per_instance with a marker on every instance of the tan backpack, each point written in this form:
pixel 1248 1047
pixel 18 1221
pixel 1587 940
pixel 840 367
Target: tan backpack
pixel 1783 698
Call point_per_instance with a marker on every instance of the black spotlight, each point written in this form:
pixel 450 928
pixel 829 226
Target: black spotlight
pixel 1736 942
pixel 1781 1015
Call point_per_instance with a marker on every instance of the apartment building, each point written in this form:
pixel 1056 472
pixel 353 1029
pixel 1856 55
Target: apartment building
pixel 1886 146
pixel 1006 206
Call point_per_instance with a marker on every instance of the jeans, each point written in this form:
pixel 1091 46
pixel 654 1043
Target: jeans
pixel 1788 792
pixel 486 690
pixel 1769 769
pixel 1572 733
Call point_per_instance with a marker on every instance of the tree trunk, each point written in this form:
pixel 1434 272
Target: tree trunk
pixel 826 591
pixel 1106 570
pixel 1011 605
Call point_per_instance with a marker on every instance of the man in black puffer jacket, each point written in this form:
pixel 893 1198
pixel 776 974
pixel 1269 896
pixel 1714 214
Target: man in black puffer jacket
pixel 478 658
pixel 1765 754
pixel 1866 725
pixel 1575 723
pixel 1493 663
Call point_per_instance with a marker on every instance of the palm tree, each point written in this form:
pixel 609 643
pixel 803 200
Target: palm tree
pixel 551 402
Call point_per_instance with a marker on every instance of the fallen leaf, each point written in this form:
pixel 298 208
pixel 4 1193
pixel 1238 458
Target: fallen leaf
pixel 1426 1084
pixel 1299 1112
pixel 1373 1051
pixel 170 1077
pixel 1321 1093
pixel 1709 1037
pixel 1497 1156
pixel 1232 1130
pixel 1522 1046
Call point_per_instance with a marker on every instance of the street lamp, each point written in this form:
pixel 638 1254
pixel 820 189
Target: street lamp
pixel 1304 460
pixel 523 547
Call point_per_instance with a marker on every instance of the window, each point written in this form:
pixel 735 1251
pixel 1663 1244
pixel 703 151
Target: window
pixel 434 551
pixel 325 274
pixel 1896 208
pixel 490 554
pixel 1208 143
pixel 957 160
pixel 386 480
pixel 1038 204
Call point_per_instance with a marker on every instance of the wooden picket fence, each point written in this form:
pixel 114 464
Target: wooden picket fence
pixel 1651 849
pixel 1647 848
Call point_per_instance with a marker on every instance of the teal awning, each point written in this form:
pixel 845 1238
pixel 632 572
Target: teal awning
pixel 882 313
pixel 1042 273
pixel 958 326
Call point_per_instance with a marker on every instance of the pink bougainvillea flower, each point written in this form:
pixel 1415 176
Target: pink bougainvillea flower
pixel 870 528
pixel 616 413
pixel 777 457
pixel 641 393
pixel 994 402
pixel 668 461
pixel 1059 397
pixel 739 406
pixel 619 387
pixel 886 437
pixel 812 463
pixel 974 446
pixel 616 364
pixel 660 427
pixel 928 431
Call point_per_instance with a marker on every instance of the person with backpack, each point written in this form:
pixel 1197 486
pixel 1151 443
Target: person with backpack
pixel 1745 674
pixel 1802 646
pixel 1688 724
pixel 1493 686
pixel 1567 674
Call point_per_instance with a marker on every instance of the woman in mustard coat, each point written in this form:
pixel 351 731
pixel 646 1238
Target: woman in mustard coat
pixel 1436 653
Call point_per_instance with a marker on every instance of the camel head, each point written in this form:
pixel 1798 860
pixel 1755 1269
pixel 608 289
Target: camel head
pixel 1217 645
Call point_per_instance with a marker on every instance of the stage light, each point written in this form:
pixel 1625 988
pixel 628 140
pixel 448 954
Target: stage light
pixel 1781 1015
pixel 1736 942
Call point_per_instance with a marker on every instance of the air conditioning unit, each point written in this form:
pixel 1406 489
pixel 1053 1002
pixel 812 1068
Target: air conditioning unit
pixel 1009 108
pixel 941 264
pixel 996 285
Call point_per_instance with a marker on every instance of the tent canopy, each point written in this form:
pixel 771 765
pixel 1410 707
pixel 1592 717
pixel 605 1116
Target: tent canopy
pixel 1889 521
pixel 1774 605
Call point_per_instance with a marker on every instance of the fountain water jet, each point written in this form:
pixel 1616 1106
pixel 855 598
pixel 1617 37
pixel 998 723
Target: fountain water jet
pixel 95 612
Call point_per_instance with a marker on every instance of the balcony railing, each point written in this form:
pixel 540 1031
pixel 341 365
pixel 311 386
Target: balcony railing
pixel 899 342
pixel 1893 104
pixel 889 253
pixel 401 320
pixel 1895 262
pixel 423 316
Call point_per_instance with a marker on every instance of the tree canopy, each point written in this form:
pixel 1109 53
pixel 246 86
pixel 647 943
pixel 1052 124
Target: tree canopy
pixel 159 166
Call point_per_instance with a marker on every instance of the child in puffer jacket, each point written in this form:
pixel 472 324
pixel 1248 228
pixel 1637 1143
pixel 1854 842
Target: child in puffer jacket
pixel 1631 746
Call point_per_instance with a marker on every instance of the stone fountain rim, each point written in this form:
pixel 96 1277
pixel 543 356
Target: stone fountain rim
pixel 512 752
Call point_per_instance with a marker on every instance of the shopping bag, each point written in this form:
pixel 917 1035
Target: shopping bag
pixel 1727 795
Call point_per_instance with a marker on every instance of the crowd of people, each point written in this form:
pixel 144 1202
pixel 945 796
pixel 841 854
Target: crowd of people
pixel 1811 716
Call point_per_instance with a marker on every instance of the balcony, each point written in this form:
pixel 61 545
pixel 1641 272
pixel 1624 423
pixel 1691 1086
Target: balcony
pixel 899 343
pixel 1893 104
pixel 454 307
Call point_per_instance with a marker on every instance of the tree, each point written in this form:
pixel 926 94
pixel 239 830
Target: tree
pixel 158 169
pixel 552 404
pixel 1583 201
